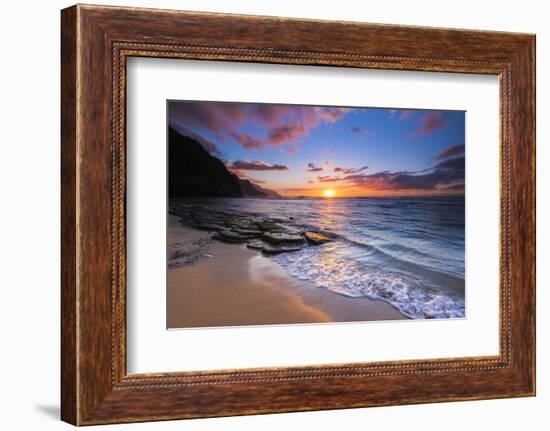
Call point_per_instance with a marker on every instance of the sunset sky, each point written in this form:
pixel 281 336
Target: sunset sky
pixel 301 150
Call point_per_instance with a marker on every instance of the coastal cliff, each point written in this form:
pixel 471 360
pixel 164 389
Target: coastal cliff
pixel 194 172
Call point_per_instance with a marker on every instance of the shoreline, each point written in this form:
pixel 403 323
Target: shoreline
pixel 219 284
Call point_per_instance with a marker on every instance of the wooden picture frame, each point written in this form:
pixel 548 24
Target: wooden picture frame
pixel 96 41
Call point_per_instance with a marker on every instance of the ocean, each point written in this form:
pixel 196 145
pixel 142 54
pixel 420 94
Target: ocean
pixel 407 251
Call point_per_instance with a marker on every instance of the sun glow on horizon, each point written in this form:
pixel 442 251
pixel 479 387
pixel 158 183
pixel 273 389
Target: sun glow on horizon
pixel 329 193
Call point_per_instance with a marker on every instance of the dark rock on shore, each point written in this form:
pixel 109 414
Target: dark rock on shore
pixel 269 225
pixel 316 238
pixel 281 248
pixel 270 235
pixel 229 236
pixel 282 238
pixel 210 226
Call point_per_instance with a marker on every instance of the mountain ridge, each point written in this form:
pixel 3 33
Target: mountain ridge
pixel 194 172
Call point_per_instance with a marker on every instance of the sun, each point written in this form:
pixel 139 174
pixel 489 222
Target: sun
pixel 329 193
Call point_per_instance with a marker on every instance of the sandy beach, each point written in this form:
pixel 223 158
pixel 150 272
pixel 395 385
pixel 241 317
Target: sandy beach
pixel 219 284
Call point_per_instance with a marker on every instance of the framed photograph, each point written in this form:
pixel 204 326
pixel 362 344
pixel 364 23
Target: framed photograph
pixel 267 215
pixel 281 196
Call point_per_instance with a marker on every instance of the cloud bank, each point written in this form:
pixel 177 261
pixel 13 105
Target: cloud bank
pixel 253 125
pixel 446 175
pixel 257 165
pixel 347 171
pixel 456 150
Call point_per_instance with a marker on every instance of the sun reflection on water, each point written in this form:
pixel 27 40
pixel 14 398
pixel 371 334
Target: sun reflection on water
pixel 330 217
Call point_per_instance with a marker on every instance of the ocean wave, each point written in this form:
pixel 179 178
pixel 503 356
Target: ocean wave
pixel 398 255
pixel 412 296
pixel 408 253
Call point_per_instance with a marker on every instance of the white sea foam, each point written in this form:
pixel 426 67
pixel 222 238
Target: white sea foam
pixel 412 296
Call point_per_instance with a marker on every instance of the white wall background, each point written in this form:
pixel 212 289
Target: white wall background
pixel 29 226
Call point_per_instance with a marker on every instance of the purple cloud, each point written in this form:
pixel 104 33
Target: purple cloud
pixel 330 115
pixel 280 125
pixel 447 175
pixel 430 123
pixel 285 133
pixel 405 114
pixel 360 131
pixel 456 150
pixel 312 168
pixel 328 179
pixel 216 117
pixel 247 165
pixel 453 164
pixel 401 114
pixel 347 171
pixel 246 140
pixel 454 188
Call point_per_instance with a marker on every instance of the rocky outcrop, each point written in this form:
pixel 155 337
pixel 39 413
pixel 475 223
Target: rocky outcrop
pixel 269 235
pixel 278 238
pixel 316 238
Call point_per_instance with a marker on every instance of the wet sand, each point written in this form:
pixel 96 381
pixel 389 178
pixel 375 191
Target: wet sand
pixel 230 285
